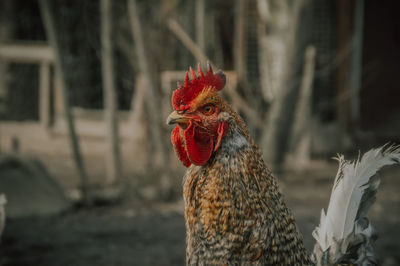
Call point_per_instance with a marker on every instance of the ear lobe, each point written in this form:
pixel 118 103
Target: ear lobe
pixel 222 129
pixel 179 147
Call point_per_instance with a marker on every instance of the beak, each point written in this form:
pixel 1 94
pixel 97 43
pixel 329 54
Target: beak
pixel 174 118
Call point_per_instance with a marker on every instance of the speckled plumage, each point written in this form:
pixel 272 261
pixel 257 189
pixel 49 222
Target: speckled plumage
pixel 235 214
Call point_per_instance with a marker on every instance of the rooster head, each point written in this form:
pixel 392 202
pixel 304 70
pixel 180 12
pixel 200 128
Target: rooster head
pixel 198 114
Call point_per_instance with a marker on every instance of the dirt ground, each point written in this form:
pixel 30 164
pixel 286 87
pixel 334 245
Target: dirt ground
pixel 140 232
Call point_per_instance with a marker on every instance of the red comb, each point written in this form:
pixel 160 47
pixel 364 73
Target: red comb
pixel 190 89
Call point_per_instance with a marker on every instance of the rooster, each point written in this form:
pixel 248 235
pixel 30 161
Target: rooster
pixel 234 211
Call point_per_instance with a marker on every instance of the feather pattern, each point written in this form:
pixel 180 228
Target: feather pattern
pixel 344 233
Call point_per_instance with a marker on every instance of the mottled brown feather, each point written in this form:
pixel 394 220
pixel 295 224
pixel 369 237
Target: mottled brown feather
pixel 235 214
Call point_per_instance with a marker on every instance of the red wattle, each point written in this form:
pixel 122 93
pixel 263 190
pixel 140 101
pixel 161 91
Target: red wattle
pixel 179 147
pixel 199 145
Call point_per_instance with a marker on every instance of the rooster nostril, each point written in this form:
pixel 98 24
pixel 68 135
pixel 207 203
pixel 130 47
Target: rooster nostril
pixel 181 112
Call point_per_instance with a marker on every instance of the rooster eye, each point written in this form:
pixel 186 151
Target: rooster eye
pixel 208 110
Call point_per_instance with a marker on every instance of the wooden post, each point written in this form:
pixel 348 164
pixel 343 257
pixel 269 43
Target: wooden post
pixel 151 100
pixel 58 97
pixel 200 20
pixel 113 160
pixel 264 43
pixel 44 93
pixel 299 152
pixel 342 103
pixel 74 141
pixel 277 124
pixel 6 27
pixel 240 40
pixel 356 61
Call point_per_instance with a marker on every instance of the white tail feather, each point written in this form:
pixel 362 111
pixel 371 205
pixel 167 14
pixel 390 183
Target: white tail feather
pixel 352 195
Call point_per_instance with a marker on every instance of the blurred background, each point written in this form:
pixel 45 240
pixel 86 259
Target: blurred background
pixel 86 162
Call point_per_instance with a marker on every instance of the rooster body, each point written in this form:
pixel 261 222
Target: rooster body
pixel 234 212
